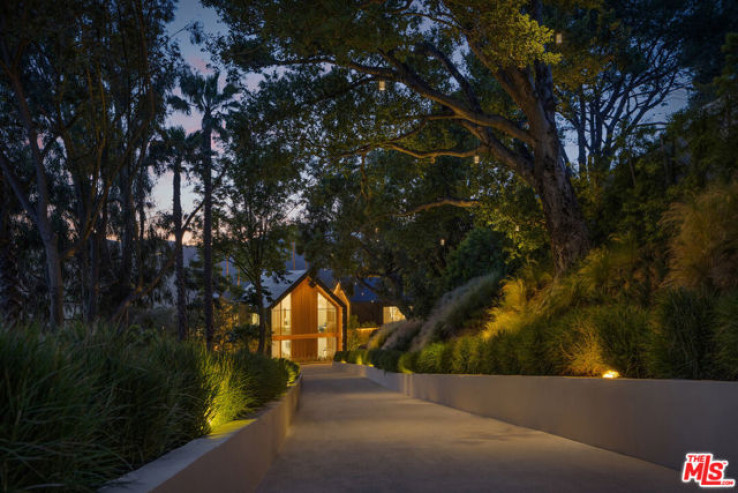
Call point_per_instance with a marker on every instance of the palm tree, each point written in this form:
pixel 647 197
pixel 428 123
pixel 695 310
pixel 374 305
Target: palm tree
pixel 201 93
pixel 175 149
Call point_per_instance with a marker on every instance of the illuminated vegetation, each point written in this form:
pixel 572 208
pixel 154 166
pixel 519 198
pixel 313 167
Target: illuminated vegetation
pixel 78 409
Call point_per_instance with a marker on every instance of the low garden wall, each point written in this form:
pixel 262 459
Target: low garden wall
pixel 655 420
pixel 234 458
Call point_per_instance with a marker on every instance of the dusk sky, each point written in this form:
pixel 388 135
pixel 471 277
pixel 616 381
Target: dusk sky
pixel 197 57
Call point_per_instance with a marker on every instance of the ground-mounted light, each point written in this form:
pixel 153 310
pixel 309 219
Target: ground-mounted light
pixel 559 38
pixel 477 158
pixel 610 374
pixel 382 85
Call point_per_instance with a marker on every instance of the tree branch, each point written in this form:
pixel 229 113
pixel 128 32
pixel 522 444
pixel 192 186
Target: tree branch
pixel 439 203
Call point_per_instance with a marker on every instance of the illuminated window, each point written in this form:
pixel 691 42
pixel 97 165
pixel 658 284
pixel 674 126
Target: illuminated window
pixel 391 314
pixel 282 317
pixel 327 315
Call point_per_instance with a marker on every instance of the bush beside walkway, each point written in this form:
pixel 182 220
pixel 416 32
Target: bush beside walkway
pixel 80 409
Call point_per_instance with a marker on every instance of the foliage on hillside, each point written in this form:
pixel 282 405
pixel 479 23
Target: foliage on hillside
pixel 616 311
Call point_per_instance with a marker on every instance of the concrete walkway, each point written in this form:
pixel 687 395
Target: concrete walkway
pixel 353 435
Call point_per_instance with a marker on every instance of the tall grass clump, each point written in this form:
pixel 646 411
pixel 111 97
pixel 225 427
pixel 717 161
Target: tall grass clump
pixel 78 409
pixel 53 418
pixel 682 344
pixel 624 331
pixel 462 309
pixel 704 248
pixel 726 335
pixel 400 334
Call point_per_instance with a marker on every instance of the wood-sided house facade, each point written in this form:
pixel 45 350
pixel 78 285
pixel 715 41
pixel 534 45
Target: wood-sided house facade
pixel 306 315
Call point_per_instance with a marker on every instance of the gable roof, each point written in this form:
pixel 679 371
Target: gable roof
pixel 275 288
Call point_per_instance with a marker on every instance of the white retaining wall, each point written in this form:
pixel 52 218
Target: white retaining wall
pixel 655 420
pixel 233 459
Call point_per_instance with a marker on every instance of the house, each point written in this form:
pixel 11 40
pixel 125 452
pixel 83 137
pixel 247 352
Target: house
pixel 368 308
pixel 307 313
pixel 307 316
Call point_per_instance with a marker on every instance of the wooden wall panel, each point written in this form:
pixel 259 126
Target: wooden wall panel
pixel 304 320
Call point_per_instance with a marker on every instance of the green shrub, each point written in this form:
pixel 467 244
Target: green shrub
pixel 503 354
pixel 79 409
pixel 52 420
pixel 624 332
pixel 726 336
pixel 159 392
pixel 475 363
pixel 386 360
pixel 291 368
pixel 682 343
pixel 408 363
pixel 460 355
pixel 435 358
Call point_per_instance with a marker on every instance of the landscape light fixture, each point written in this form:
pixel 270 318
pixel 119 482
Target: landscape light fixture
pixel 443 241
pixel 382 85
pixel 610 374
pixel 477 159
pixel 559 38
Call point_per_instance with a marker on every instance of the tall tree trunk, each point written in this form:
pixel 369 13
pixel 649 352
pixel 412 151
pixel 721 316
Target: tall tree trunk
pixel 261 349
pixel 40 213
pixel 10 299
pixel 53 277
pixel 140 228
pixel 207 236
pixel 129 235
pixel 93 281
pixel 564 220
pixel 182 329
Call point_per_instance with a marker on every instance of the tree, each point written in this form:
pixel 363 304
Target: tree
pixel 263 181
pixel 204 95
pixel 479 66
pixel 351 225
pixel 177 149
pixel 87 80
pixel 480 253
pixel 621 61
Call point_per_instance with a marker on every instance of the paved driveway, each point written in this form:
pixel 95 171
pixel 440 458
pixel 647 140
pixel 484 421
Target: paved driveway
pixel 353 435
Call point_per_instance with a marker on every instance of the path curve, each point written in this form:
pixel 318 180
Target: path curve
pixel 352 435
